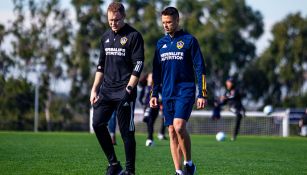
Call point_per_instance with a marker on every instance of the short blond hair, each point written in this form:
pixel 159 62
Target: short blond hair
pixel 117 7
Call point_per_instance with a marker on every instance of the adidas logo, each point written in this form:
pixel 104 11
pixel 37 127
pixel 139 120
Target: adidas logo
pixel 164 46
pixel 126 104
pixel 107 40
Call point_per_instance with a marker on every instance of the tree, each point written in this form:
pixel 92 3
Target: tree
pixel 283 64
pixel 42 39
pixel 5 61
pixel 226 31
pixel 16 104
pixel 85 51
pixel 145 16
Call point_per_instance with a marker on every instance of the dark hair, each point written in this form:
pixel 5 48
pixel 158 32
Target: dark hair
pixel 117 7
pixel 170 11
pixel 231 79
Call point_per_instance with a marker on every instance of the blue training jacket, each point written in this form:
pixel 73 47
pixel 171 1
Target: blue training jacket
pixel 174 64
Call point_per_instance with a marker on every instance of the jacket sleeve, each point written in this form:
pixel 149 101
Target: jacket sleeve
pixel 102 56
pixel 137 55
pixel 199 66
pixel 156 74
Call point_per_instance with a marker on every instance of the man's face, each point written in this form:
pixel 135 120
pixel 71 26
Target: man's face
pixel 170 24
pixel 116 21
pixel 228 84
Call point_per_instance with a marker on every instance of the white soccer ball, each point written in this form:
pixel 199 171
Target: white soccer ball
pixel 268 109
pixel 220 136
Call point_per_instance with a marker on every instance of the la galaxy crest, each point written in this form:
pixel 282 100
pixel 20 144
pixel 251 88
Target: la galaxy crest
pixel 180 44
pixel 123 40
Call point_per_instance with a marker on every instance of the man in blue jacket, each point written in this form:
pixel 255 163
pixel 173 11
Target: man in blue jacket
pixel 177 61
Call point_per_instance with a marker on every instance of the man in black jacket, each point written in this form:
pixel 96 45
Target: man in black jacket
pixel 232 96
pixel 114 88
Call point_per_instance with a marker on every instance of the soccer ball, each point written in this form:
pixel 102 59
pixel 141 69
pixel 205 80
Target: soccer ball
pixel 220 136
pixel 268 109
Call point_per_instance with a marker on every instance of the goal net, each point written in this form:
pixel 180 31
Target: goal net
pixel 283 123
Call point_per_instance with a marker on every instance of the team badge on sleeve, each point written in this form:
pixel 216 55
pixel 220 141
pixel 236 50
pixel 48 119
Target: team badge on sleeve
pixel 123 40
pixel 180 44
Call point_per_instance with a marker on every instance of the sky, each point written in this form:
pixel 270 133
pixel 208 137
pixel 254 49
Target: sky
pixel 272 11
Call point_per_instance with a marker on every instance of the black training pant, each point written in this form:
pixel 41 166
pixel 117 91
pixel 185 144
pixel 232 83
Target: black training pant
pixel 125 114
pixel 153 114
pixel 237 125
pixel 162 128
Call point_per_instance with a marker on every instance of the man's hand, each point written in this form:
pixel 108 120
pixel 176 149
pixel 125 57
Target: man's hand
pixel 94 97
pixel 153 103
pixel 222 98
pixel 128 96
pixel 201 103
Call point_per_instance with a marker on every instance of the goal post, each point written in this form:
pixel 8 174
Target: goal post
pixel 283 117
pixel 91 120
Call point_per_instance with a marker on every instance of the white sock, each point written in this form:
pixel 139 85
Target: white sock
pixel 179 172
pixel 190 163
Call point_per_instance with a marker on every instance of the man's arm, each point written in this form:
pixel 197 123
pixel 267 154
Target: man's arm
pixel 156 74
pixel 137 56
pixel 98 75
pixel 199 67
pixel 132 82
pixel 95 88
pixel 156 77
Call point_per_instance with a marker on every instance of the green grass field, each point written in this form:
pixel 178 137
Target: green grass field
pixel 79 153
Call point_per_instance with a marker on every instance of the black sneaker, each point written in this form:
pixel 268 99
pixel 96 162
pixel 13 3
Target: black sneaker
pixel 189 170
pixel 114 169
pixel 127 173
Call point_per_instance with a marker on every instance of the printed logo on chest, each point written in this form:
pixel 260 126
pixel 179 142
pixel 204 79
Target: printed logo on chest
pixel 123 40
pixel 180 44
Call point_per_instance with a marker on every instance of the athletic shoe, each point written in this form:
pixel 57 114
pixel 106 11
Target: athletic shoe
pixel 114 169
pixel 149 142
pixel 177 173
pixel 189 170
pixel 126 173
pixel 161 136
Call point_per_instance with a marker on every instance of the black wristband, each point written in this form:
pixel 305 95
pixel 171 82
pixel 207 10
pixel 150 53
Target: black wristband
pixel 129 88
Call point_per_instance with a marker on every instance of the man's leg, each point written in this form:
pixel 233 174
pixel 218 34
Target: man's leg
pixel 176 152
pixel 101 116
pixel 183 137
pixel 102 113
pixel 112 127
pixel 183 109
pixel 175 148
pixel 150 124
pixel 125 115
pixel 162 127
pixel 161 134
pixel 184 143
pixel 237 126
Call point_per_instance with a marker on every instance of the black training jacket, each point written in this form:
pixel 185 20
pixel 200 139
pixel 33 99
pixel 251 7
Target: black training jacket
pixel 121 55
